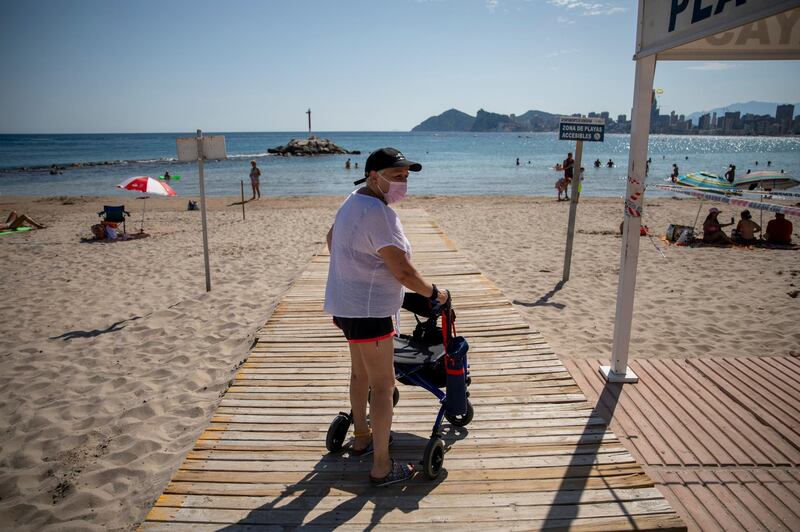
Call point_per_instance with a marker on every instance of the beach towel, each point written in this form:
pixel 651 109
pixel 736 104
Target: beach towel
pixel 21 229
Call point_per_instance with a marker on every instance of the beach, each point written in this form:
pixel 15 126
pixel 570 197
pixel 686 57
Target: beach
pixel 114 357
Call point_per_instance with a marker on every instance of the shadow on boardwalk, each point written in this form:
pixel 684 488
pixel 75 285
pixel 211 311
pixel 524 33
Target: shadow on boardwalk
pixel 564 509
pixel 344 480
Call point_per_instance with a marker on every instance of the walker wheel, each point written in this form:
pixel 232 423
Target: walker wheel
pixel 337 432
pixel 433 459
pixel 463 420
pixel 395 396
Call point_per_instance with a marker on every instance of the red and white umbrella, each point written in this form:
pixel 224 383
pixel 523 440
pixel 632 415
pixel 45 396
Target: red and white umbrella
pixel 147 185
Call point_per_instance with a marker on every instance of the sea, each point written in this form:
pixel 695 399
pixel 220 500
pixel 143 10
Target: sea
pixel 452 163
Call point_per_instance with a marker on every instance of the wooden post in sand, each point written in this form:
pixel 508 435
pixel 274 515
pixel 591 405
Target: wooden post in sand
pixel 200 148
pixel 200 164
pixel 573 208
pixel 578 129
pixel 242 183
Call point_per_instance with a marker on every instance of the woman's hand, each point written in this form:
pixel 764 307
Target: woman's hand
pixel 443 296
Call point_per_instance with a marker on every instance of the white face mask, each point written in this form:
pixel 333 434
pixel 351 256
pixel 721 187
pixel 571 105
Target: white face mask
pixel 397 191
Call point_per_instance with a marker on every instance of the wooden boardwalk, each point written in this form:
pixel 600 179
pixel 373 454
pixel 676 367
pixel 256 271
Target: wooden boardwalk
pixel 719 436
pixel 535 456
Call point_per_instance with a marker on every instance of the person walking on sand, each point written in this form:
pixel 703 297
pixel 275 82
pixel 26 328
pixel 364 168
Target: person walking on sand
pixel 255 178
pixel 370 264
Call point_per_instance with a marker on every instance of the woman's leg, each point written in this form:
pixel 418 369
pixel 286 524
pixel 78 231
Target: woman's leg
pixel 20 220
pixel 258 189
pixel 253 186
pixel 378 360
pixel 359 390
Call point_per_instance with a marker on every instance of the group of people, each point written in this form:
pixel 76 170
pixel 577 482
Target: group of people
pixel 779 230
pixel 609 164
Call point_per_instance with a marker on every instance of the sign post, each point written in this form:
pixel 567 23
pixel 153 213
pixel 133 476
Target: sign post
pixel 199 149
pixel 580 130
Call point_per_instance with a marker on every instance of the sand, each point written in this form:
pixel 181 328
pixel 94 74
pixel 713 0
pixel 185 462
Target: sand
pixel 113 356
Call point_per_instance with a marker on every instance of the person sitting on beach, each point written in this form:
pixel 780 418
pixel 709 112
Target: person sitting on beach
pixel 712 229
pixel 15 221
pixel 746 229
pixel 779 230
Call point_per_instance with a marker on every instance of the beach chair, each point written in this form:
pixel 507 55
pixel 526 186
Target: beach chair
pixel 114 214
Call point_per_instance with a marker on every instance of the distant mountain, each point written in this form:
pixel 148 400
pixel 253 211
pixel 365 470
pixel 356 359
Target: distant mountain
pixel 450 120
pixel 752 107
pixel 455 120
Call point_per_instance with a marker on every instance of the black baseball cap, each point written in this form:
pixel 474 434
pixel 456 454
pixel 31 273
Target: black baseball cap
pixel 387 158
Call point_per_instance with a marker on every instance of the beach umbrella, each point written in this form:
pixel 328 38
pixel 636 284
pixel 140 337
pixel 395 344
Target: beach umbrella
pixel 765 181
pixel 705 180
pixel 147 185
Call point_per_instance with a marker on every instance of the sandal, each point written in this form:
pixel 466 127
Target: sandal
pixel 398 473
pixel 369 449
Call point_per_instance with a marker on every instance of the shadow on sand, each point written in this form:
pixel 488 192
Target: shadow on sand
pixel 544 301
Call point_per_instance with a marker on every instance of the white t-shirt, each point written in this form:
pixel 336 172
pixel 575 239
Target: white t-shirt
pixel 360 284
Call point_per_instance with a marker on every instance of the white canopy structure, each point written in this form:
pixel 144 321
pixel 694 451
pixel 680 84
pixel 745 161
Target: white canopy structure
pixel 685 30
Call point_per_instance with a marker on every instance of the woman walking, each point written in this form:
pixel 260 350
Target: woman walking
pixel 255 175
pixel 370 264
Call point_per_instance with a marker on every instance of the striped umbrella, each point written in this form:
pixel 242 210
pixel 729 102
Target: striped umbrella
pixel 705 180
pixel 148 185
pixel 766 181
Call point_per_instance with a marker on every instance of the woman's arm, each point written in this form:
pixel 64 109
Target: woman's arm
pixel 329 238
pixel 405 272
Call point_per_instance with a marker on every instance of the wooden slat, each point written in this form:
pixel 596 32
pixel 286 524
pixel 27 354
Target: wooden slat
pixel 735 436
pixel 536 455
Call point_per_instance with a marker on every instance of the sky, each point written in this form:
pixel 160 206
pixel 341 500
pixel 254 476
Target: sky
pixel 97 66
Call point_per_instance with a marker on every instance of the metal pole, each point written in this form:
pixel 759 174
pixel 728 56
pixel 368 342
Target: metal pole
pixel 618 371
pixel 242 183
pixel 144 209
pixel 203 207
pixel 573 208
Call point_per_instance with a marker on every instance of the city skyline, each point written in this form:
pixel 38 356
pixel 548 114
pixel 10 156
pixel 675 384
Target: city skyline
pixel 98 67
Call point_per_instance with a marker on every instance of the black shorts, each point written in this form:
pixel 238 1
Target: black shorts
pixel 362 330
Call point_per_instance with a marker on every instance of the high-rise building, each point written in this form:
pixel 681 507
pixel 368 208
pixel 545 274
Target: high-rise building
pixel 654 110
pixel 731 121
pixel 704 122
pixel 621 119
pixel 783 116
pixel 714 121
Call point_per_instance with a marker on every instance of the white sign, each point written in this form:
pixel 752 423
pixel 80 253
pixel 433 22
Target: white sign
pixel 213 148
pixel 667 24
pixel 775 37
